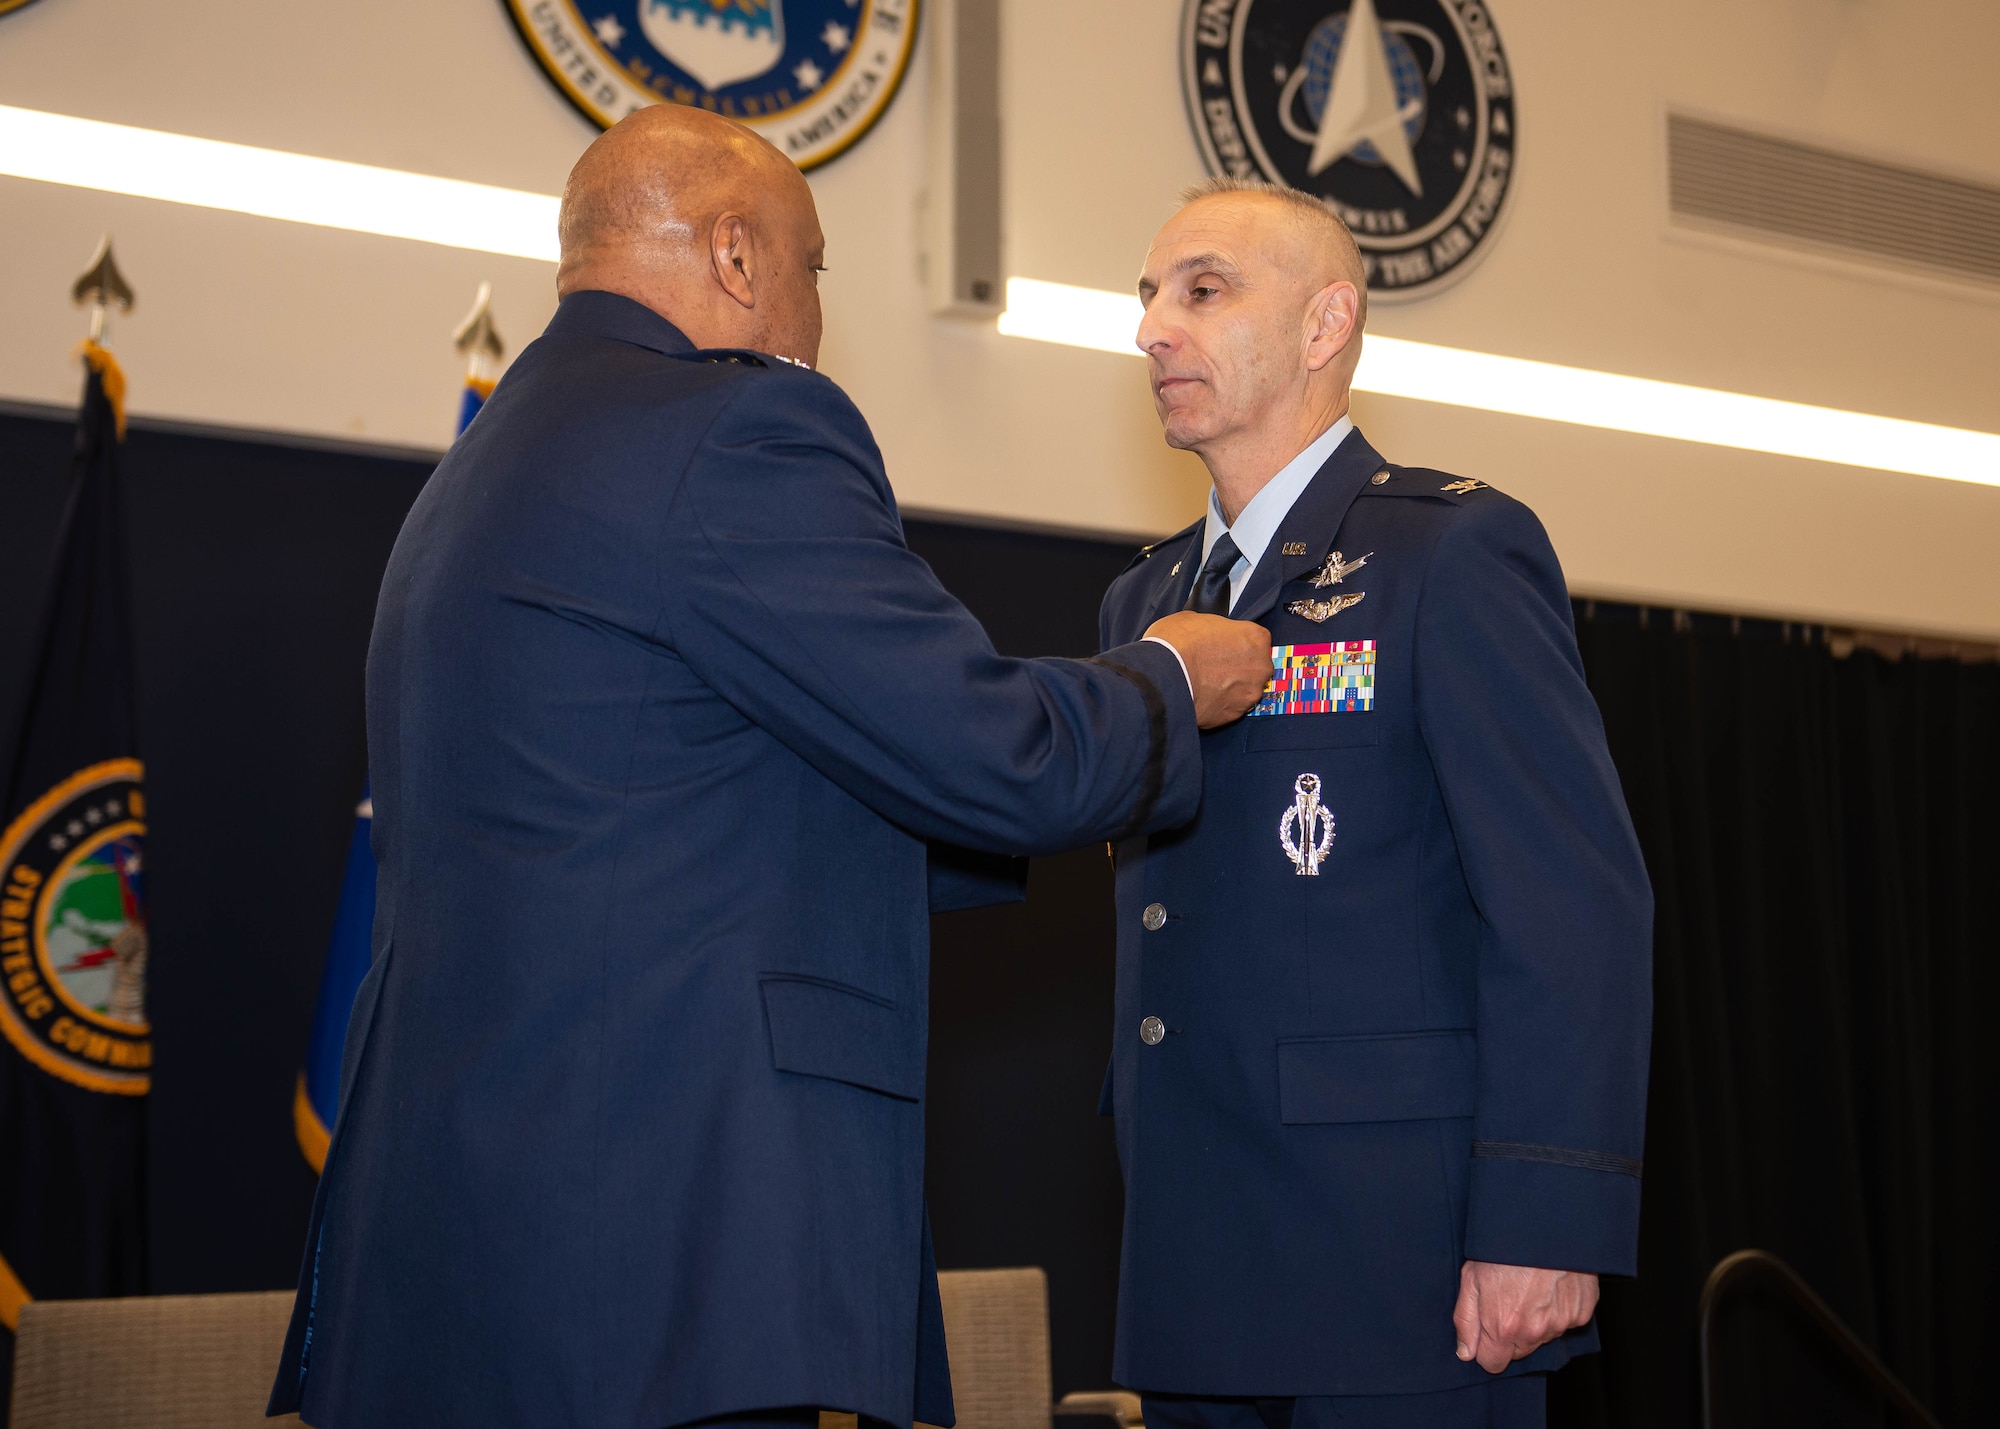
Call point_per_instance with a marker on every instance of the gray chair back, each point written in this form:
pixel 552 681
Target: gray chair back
pixel 156 1362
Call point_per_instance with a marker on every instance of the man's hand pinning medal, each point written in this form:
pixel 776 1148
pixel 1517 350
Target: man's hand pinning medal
pixel 1228 662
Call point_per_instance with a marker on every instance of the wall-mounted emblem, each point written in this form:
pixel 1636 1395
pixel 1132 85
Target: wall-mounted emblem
pixel 1401 112
pixel 812 76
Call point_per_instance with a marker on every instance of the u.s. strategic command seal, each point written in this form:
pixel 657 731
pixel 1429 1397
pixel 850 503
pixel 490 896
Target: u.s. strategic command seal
pixel 812 76
pixel 73 930
pixel 1401 112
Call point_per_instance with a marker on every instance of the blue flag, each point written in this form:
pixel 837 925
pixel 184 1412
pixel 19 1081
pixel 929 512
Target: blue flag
pixel 349 951
pixel 347 957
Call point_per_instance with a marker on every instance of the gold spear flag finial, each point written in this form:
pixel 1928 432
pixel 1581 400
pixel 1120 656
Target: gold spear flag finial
pixel 476 337
pixel 103 287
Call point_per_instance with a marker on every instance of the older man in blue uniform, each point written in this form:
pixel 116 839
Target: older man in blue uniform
pixel 663 719
pixel 1383 1006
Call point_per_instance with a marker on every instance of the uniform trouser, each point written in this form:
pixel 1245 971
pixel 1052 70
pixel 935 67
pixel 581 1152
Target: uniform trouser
pixel 1518 1402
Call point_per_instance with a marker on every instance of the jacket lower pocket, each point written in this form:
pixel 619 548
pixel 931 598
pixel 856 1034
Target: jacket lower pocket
pixel 1406 1076
pixel 821 1028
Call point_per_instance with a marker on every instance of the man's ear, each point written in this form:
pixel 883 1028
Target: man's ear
pixel 1332 323
pixel 732 255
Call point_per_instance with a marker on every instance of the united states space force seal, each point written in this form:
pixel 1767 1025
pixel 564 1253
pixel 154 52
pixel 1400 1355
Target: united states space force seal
pixel 1400 112
pixel 73 930
pixel 812 76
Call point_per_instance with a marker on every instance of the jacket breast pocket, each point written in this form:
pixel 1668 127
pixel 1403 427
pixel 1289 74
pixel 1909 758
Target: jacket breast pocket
pixel 1408 1076
pixel 821 1028
pixel 1353 729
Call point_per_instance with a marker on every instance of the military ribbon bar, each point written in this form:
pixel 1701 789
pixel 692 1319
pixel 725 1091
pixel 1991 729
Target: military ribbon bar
pixel 1334 678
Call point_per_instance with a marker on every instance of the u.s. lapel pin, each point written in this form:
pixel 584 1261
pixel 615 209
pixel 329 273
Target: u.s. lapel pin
pixel 1294 548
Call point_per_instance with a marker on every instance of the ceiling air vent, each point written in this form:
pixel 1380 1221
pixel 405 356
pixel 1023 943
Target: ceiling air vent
pixel 1777 188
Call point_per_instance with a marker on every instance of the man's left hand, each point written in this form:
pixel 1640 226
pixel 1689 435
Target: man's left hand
pixel 1507 1312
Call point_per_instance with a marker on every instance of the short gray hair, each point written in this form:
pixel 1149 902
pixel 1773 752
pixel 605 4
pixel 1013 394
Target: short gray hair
pixel 1314 210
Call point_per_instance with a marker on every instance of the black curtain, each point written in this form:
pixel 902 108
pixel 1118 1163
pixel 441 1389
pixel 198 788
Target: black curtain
pixel 1822 841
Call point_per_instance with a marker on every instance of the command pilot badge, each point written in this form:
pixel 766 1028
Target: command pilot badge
pixel 1314 823
pixel 812 76
pixel 1400 113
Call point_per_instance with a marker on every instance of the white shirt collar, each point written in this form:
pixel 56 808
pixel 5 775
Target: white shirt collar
pixel 1260 519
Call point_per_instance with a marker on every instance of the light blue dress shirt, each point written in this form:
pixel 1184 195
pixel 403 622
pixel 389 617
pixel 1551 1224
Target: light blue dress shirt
pixel 1259 520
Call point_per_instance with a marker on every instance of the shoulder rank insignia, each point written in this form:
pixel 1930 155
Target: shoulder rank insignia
pixel 1463 486
pixel 1321 610
pixel 1338 570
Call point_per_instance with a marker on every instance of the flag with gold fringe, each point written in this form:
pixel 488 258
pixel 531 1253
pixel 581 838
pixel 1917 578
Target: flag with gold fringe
pixel 76 1057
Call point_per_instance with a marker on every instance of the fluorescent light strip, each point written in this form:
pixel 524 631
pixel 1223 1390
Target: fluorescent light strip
pixel 270 183
pixel 1089 317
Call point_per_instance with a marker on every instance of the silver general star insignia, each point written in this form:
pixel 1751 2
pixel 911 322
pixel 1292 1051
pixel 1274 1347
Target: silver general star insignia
pixel 1320 610
pixel 1464 485
pixel 1314 823
pixel 1337 570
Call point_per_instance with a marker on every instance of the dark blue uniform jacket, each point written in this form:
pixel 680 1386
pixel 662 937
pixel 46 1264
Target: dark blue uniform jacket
pixel 662 717
pixel 1433 1049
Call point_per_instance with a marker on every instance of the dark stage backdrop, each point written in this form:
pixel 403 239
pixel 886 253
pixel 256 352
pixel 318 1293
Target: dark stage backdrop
pixel 1820 834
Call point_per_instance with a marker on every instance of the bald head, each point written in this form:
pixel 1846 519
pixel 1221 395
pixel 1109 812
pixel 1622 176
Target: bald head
pixel 704 222
pixel 1255 300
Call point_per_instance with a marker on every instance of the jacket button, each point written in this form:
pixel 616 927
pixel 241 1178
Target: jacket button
pixel 1155 917
pixel 1152 1031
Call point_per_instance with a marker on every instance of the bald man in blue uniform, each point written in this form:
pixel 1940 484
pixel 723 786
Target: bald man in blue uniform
pixel 1383 1008
pixel 670 735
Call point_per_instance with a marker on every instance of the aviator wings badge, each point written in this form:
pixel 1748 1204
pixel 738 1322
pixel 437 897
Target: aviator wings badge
pixel 1314 823
pixel 1336 570
pixel 1321 610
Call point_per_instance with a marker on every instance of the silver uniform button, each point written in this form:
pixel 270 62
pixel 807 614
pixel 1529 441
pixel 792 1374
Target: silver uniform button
pixel 1155 918
pixel 1152 1031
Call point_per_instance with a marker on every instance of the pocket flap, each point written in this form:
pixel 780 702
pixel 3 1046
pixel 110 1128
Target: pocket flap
pixel 1354 729
pixel 827 1029
pixel 1408 1076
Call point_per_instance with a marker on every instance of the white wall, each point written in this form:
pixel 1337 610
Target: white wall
pixel 250 322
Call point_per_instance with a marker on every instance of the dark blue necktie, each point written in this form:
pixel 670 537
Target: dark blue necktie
pixel 1211 588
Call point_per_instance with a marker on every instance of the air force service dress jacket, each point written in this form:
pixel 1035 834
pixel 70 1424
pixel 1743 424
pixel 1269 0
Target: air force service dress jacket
pixel 1333 1087
pixel 662 713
